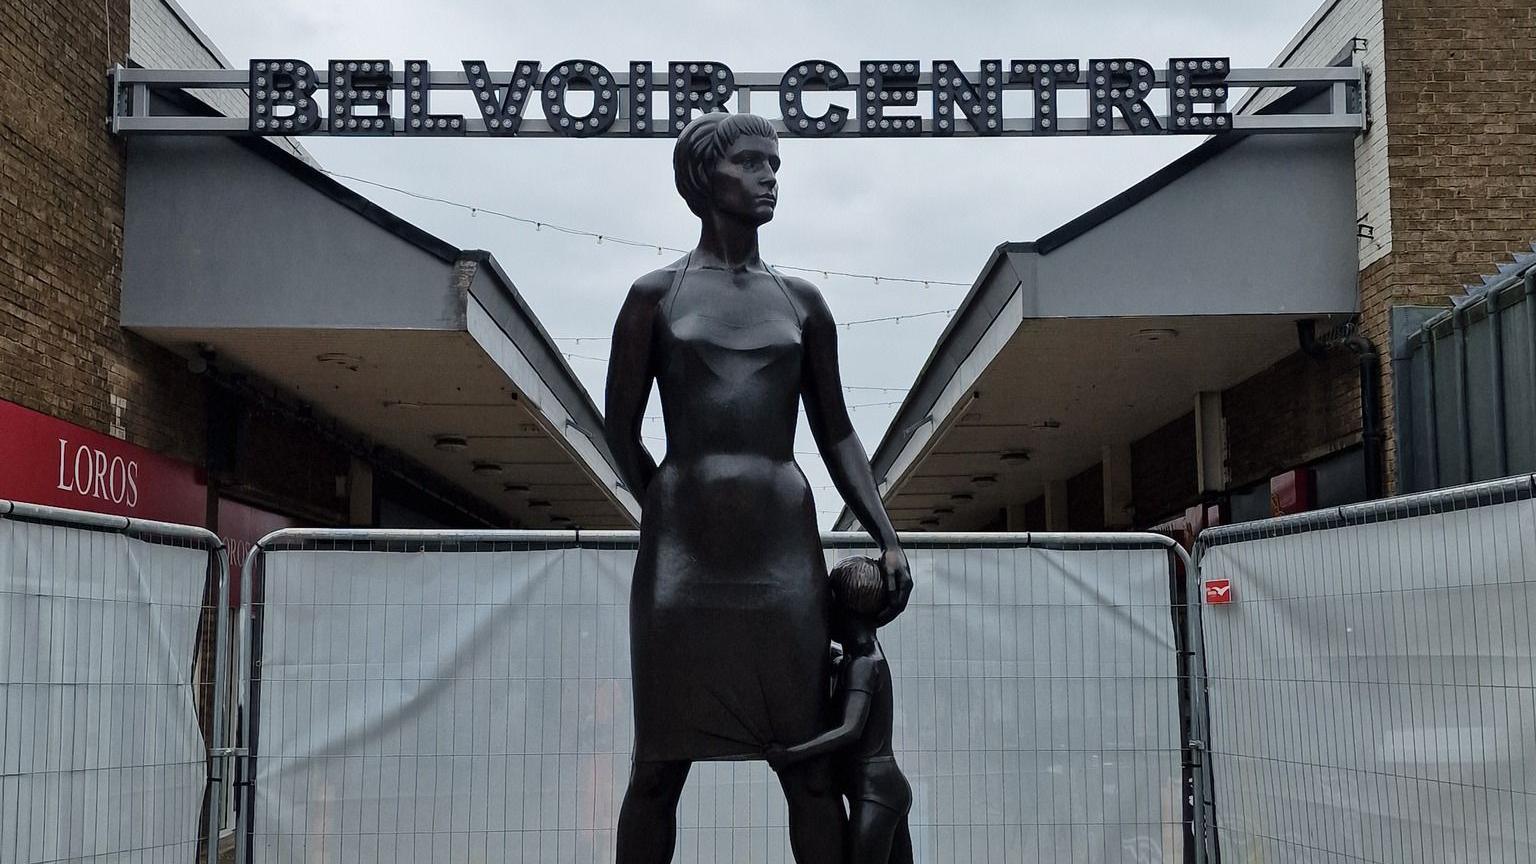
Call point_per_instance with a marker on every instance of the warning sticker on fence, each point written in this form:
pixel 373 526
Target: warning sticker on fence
pixel 1218 591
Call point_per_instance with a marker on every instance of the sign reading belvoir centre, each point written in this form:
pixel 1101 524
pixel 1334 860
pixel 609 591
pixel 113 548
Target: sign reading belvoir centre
pixel 810 99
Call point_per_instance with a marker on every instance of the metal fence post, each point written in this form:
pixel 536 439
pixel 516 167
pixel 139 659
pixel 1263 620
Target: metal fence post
pixel 1431 410
pixel 245 663
pixel 1463 397
pixel 1194 601
pixel 1500 395
pixel 218 752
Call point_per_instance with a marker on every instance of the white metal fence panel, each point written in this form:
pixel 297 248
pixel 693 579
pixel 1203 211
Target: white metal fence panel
pixel 101 755
pixel 416 702
pixel 1372 694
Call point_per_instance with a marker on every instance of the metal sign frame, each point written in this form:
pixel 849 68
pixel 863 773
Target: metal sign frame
pixel 375 98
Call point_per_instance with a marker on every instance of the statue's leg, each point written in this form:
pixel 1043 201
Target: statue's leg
pixel 816 821
pixel 872 830
pixel 901 850
pixel 648 819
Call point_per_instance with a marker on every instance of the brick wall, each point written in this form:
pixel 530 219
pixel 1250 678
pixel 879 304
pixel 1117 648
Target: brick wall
pixel 1163 475
pixel 1292 413
pixel 61 237
pixel 1462 119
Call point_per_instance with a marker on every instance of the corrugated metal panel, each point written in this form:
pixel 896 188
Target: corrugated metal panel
pixel 1520 379
pixel 1470 393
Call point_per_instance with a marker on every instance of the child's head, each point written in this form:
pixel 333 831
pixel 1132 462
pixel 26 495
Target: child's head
pixel 858 588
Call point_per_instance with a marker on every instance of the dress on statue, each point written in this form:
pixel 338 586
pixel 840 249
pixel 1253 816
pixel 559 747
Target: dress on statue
pixel 729 619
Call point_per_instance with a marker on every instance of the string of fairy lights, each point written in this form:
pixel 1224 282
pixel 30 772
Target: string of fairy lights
pixel 604 238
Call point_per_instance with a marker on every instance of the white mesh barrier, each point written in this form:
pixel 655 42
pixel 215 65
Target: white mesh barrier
pixel 421 703
pixel 101 755
pixel 1372 695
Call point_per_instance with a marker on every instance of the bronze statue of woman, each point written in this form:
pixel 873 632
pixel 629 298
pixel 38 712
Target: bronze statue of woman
pixel 729 609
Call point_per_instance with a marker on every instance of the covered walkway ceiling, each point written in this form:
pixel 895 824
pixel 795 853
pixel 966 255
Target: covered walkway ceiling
pixel 1061 390
pixel 237 248
pixel 1108 328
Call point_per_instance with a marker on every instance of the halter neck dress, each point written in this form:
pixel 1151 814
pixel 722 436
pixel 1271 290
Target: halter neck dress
pixel 729 607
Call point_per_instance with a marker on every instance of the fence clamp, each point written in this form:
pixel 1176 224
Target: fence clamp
pixel 217 752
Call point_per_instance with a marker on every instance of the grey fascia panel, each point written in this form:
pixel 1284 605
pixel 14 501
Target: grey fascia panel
pixel 217 234
pixel 1266 226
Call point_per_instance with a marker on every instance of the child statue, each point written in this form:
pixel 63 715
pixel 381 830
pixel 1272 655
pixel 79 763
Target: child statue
pixel 877 792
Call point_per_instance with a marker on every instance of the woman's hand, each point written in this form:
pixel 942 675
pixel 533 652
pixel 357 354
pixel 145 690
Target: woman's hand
pixel 898 583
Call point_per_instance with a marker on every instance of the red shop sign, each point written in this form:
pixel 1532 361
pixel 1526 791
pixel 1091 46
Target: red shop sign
pixel 240 527
pixel 44 460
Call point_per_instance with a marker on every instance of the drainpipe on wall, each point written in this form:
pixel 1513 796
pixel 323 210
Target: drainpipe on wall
pixel 1372 435
pixel 1530 318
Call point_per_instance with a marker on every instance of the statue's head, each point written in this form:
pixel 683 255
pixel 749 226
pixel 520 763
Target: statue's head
pixel 858 589
pixel 726 164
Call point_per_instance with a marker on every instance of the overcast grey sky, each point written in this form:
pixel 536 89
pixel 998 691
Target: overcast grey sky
pixel 925 208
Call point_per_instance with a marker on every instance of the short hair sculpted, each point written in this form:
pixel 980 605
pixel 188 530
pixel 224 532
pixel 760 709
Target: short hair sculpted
pixel 701 144
pixel 858 586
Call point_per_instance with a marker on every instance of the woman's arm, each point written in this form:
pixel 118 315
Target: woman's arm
pixel 629 382
pixel 825 408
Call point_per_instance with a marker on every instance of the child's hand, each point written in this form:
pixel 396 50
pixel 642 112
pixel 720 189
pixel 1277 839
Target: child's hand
pixel 778 758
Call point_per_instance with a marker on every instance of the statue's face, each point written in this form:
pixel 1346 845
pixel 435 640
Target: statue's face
pixel 743 183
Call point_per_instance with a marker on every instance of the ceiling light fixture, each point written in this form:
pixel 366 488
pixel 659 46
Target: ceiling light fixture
pixel 486 468
pixel 1157 334
pixel 1015 457
pixel 336 358
pixel 450 443
pixel 962 496
pixel 985 480
pixel 514 488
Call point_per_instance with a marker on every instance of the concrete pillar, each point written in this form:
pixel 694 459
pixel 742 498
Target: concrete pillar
pixel 1119 505
pixel 1017 521
pixel 1056 505
pixel 1210 443
pixel 360 494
